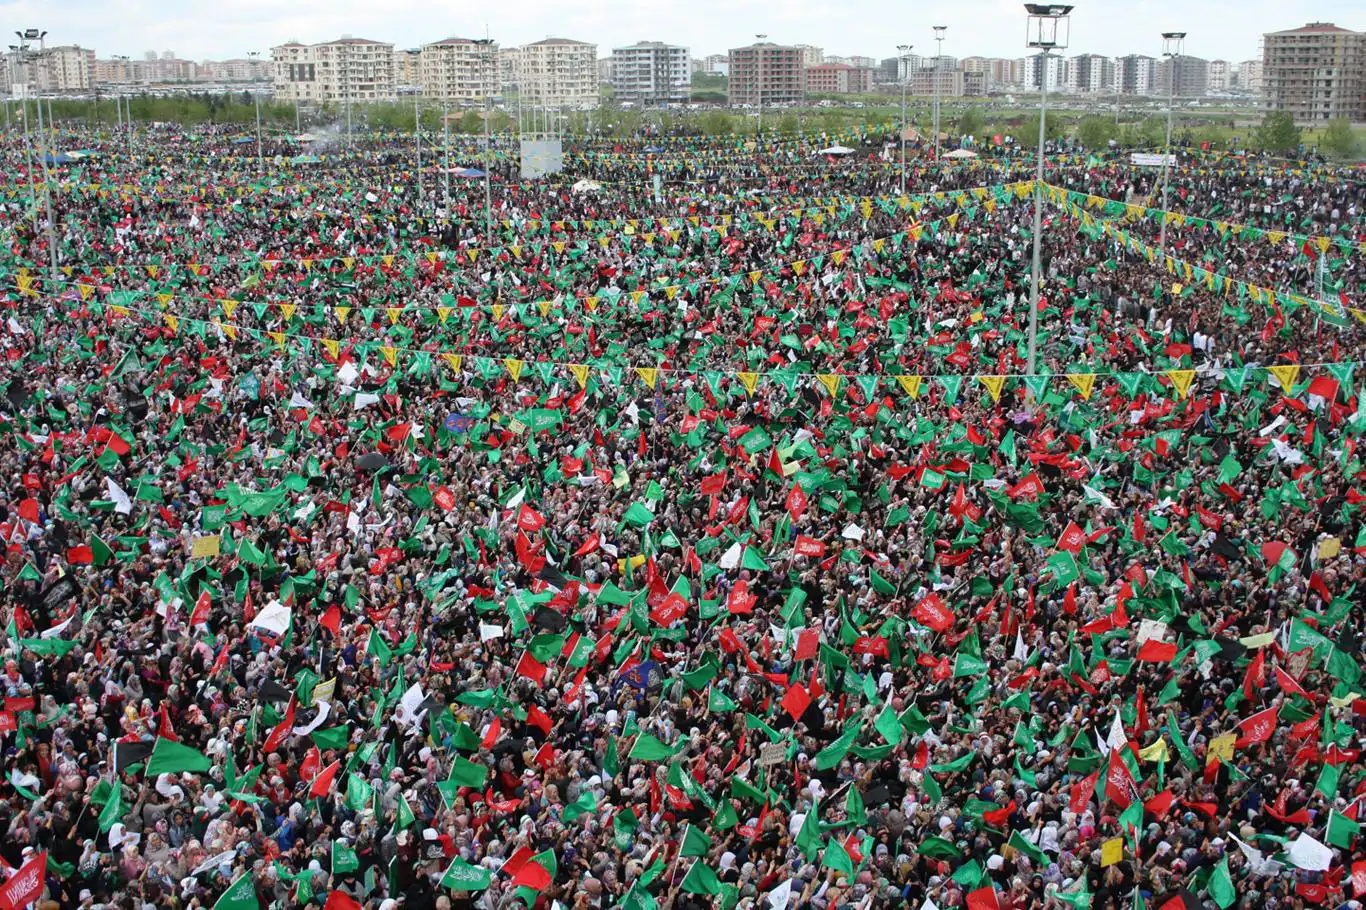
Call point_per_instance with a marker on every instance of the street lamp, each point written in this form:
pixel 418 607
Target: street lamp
pixel 905 52
pixel 938 56
pixel 759 79
pixel 486 58
pixel 127 72
pixel 19 52
pixel 1047 28
pixel 253 56
pixel 1172 45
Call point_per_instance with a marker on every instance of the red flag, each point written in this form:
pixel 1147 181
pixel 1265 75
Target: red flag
pixel 1290 686
pixel 282 729
pixel 202 605
pixel 1160 804
pixel 1257 728
pixel 739 600
pixel 80 556
pixel 164 729
pixel 309 767
pixel 795 702
pixel 1073 539
pixel 931 613
pixel 26 884
pixel 538 718
pixel 331 620
pixel 323 782
pixel 340 900
pixel 528 519
pixel 1157 652
pixel 808 546
pixel 983 899
pixel 491 734
pixel 808 644
pixel 1255 676
pixel 531 668
pixel 1119 783
pixel 1082 791
pixel 796 501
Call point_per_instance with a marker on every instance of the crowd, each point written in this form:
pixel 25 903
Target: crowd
pixel 696 548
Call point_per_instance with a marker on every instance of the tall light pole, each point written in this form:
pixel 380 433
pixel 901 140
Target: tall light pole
pixel 127 71
pixel 253 56
pixel 759 82
pixel 938 57
pixel 486 58
pixel 1172 45
pixel 905 51
pixel 25 37
pixel 1047 29
pixel 20 53
pixel 417 140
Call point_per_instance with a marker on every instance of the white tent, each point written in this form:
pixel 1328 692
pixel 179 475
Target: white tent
pixel 961 153
pixel 586 186
pixel 836 150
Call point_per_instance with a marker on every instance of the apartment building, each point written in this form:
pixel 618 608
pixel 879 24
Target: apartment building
pixel 407 68
pixel 460 71
pixel 1040 70
pixel 348 70
pixel 237 70
pixel 947 83
pixel 999 70
pixel 838 79
pixel 763 74
pixel 651 74
pixel 1191 75
pixel 1250 74
pixel 1137 74
pixel 558 73
pixel 716 65
pixel 1091 74
pixel 1316 72
pixel 811 55
pixel 1221 74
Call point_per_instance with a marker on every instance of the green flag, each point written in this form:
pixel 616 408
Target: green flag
pixel 1221 885
pixel 172 758
pixel 695 842
pixel 241 895
pixel 461 876
pixel 701 880
pixel 648 748
pixel 344 858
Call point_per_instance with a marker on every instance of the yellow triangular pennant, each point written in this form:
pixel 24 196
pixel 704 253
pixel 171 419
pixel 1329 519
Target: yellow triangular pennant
pixel 1285 374
pixel 1083 383
pixel 909 384
pixel 831 381
pixel 390 354
pixel 514 367
pixel 1181 380
pixel 993 385
pixel 287 310
pixel 454 360
pixel 749 381
pixel 648 375
pixel 331 346
pixel 342 312
pixel 580 371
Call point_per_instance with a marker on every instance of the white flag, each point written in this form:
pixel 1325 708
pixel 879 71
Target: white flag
pixel 731 558
pixel 1308 853
pixel 779 896
pixel 122 504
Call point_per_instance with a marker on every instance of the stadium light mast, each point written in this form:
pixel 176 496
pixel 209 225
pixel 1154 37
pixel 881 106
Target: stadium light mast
pixel 938 62
pixel 488 69
pixel 254 56
pixel 26 37
pixel 905 56
pixel 1172 45
pixel 1047 29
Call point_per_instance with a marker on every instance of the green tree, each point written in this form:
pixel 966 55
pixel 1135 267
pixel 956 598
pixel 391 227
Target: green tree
pixel 788 124
pixel 1027 133
pixel 1338 139
pixel 971 122
pixel 717 123
pixel 470 122
pixel 1096 132
pixel 1278 133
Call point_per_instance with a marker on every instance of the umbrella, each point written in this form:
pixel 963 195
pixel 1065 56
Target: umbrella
pixel 372 461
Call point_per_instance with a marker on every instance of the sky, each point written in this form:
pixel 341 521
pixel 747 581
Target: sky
pixel 221 29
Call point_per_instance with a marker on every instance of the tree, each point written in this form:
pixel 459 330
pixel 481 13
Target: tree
pixel 971 122
pixel 1278 133
pixel 1096 132
pixel 788 124
pixel 1338 139
pixel 1027 134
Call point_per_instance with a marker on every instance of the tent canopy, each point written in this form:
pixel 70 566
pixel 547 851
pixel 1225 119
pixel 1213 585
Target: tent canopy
pixel 961 153
pixel 836 150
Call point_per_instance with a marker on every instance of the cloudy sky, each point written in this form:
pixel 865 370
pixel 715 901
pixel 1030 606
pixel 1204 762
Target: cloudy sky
pixel 207 29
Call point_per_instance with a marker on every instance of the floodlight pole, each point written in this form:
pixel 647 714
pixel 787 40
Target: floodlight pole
pixel 905 50
pixel 938 57
pixel 1172 44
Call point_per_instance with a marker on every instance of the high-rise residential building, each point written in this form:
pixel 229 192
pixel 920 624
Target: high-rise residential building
pixel 998 69
pixel 1136 74
pixel 1091 74
pixel 977 85
pixel 909 65
pixel 1191 74
pixel 1250 76
pixel 811 55
pixel 765 73
pixel 558 73
pixel 716 65
pixel 949 82
pixel 1040 70
pixel 460 71
pixel 838 79
pixel 345 71
pixel 1316 72
pixel 651 73
pixel 407 68
pixel 887 71
pixel 236 70
pixel 1220 76
pixel 65 68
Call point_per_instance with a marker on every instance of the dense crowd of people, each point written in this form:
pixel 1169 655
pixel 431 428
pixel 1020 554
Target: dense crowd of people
pixel 730 541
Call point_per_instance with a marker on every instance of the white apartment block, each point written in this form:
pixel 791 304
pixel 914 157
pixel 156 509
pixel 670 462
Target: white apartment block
pixel 348 70
pixel 459 70
pixel 558 73
pixel 651 74
pixel 716 65
pixel 66 68
pixel 1220 75
pixel 812 55
pixel 1250 76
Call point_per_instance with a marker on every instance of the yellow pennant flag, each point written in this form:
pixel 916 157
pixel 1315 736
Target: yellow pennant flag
pixel 591 303
pixel 909 384
pixel 993 385
pixel 454 360
pixel 1112 851
pixel 799 266
pixel 331 346
pixel 749 381
pixel 443 313
pixel 516 251
pixel 278 338
pixel 637 297
pixel 831 381
pixel 347 262
pixel 514 367
pixel 86 290
pixel 287 310
pixel 671 291
pixel 152 270
pixel 838 256
pixel 229 306
pixel 1156 752
pixel 878 244
pixel 648 375
pixel 1285 374
pixel 1083 383
pixel 498 310
pixel 544 307
pixel 389 261
pixel 473 254
pixel 393 313
pixel 229 330
pixel 431 257
pixel 1181 381
pixel 173 323
pixel 342 312
pixel 390 354
pixel 307 264
pixel 580 371
pixel 164 300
